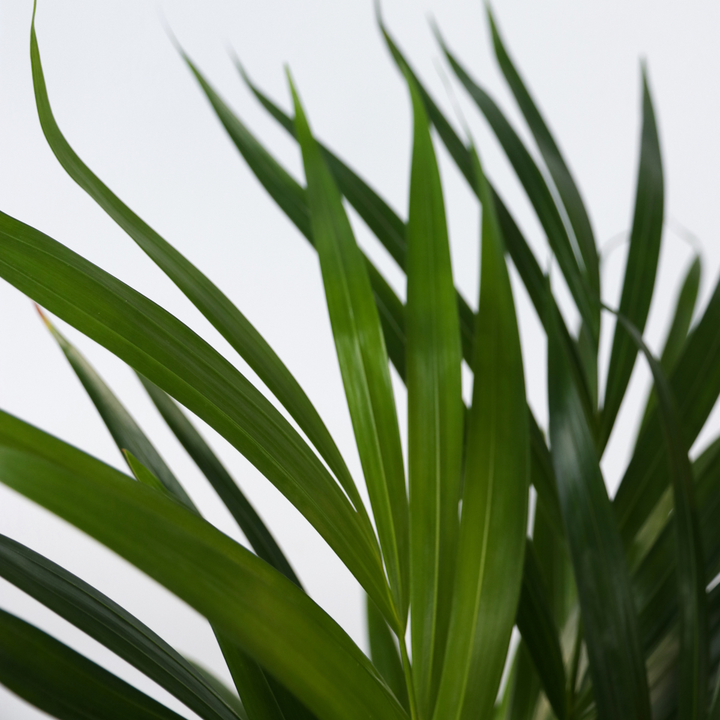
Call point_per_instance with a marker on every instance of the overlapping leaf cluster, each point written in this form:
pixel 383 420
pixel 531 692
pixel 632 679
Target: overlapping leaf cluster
pixel 610 597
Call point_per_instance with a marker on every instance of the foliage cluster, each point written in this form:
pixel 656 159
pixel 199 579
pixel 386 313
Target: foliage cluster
pixel 610 597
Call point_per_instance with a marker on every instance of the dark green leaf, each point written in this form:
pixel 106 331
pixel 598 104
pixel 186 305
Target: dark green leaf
pixel 679 327
pixel 379 217
pixel 641 265
pixel 540 635
pixel 694 650
pixel 141 473
pixel 168 353
pixel 124 430
pixel 254 606
pixel 539 195
pixel 63 683
pixel 292 199
pixel 559 171
pixel 695 382
pixel 609 624
pixel 435 414
pixel 384 653
pixel 254 529
pixel 111 625
pixel 363 360
pixel 495 494
pixel 206 296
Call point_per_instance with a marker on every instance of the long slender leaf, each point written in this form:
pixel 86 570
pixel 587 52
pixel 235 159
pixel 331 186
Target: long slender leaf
pixel 540 635
pixel 255 530
pixel 63 683
pixel 124 430
pixel 168 353
pixel 679 327
pixel 220 688
pixel 292 199
pixel 554 161
pixel 523 689
pixel 609 623
pixel 379 217
pixel 384 653
pixel 695 382
pixel 363 360
pixel 114 627
pixel 641 265
pixel 206 296
pixel 539 195
pixel 268 616
pixel 152 470
pixel 694 650
pixel 435 414
pixel 495 495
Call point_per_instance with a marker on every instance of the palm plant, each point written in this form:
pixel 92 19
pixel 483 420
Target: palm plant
pixel 610 597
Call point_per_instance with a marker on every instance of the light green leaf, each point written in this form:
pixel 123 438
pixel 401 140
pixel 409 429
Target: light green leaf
pixel 495 495
pixel 253 605
pixel 435 414
pixel 254 529
pixel 112 626
pixel 63 683
pixel 206 296
pixel 641 265
pixel 142 474
pixel 610 626
pixel 169 354
pixel 363 361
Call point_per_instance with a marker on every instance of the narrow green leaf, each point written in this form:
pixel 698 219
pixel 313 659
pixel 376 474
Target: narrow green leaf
pixel 254 529
pixel 641 265
pixel 249 677
pixel 124 430
pixel 363 360
pixel 378 216
pixel 292 199
pixel 435 414
pixel 257 696
pixel 523 691
pixel 206 296
pixel 695 382
pixel 609 624
pixel 554 161
pixel 255 606
pixel 539 195
pixel 495 495
pixel 540 635
pixel 228 695
pixel 141 473
pixel 112 626
pixel 169 354
pixel 63 683
pixel 694 648
pixel 384 653
pixel 679 327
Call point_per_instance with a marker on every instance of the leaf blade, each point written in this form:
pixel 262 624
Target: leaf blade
pixel 435 413
pixel 495 495
pixel 60 681
pixel 363 360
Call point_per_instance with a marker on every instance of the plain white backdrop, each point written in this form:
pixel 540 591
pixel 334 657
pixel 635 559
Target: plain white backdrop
pixel 131 109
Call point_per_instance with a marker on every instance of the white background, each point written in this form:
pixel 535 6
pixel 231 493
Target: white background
pixel 131 109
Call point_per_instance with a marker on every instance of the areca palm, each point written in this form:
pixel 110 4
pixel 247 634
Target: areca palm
pixel 609 597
